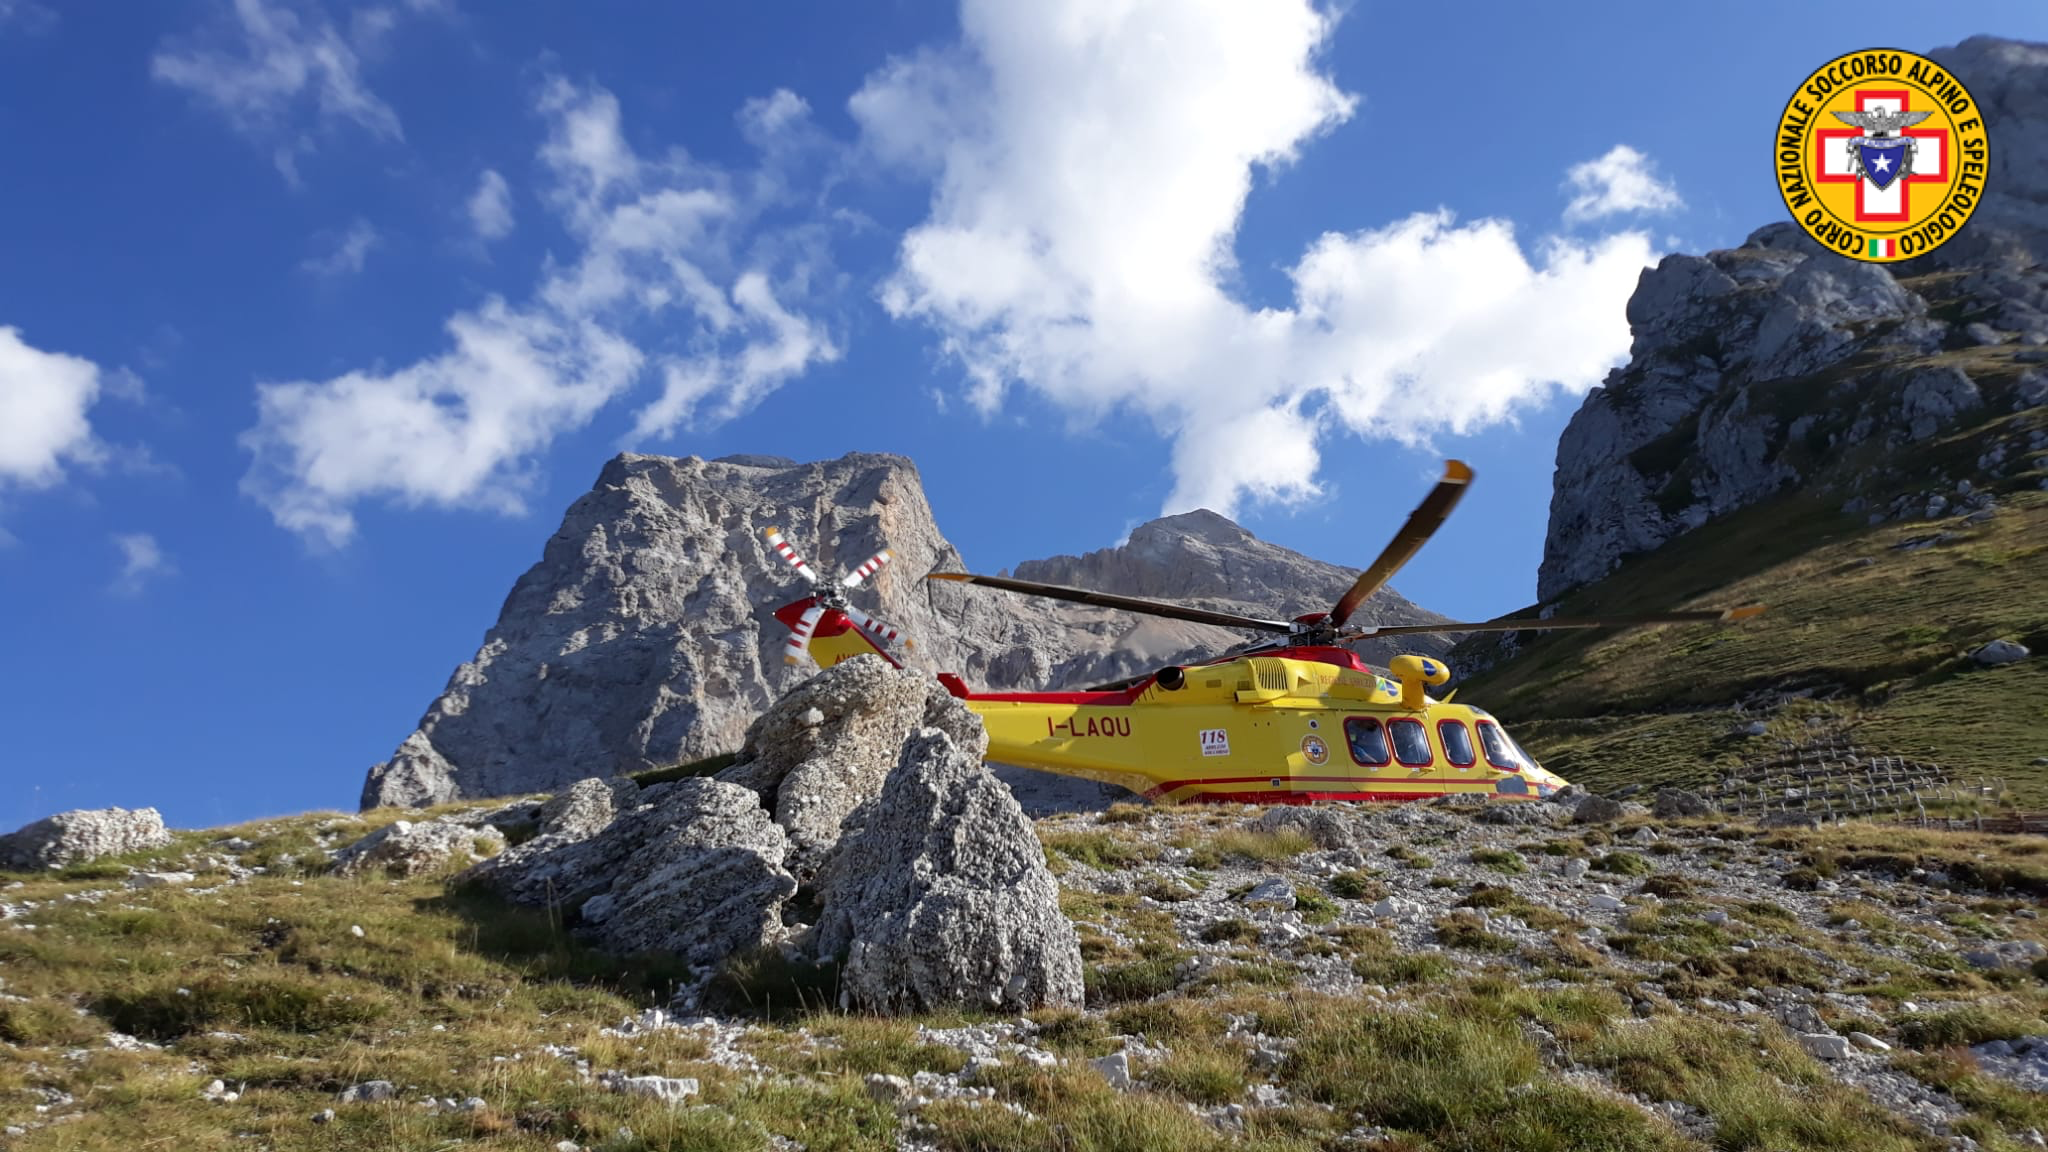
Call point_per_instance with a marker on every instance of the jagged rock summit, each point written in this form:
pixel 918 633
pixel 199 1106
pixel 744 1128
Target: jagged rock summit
pixel 644 637
pixel 1778 365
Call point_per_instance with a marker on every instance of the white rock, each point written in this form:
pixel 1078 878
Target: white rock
pixel 403 848
pixel 888 1089
pixel 356 930
pixel 1715 916
pixel 1115 1068
pixel 1866 1040
pixel 1601 902
pixel 1825 1045
pixel 669 1088
pixel 1574 869
pixel 1394 908
pixel 1271 890
pixel 369 1090
pixel 159 879
pixel 82 835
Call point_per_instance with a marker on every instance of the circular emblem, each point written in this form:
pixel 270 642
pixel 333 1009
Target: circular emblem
pixel 1314 750
pixel 1881 155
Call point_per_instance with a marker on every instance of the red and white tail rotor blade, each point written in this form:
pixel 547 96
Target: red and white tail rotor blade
pixel 799 646
pixel 876 628
pixel 873 565
pixel 783 549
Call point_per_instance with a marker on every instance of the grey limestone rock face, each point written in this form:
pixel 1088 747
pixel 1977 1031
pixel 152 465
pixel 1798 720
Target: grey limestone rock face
pixel 941 895
pixel 82 835
pixel 691 868
pixel 644 637
pixel 1758 368
pixel 824 749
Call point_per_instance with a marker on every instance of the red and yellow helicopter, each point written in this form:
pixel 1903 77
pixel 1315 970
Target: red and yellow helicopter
pixel 1293 721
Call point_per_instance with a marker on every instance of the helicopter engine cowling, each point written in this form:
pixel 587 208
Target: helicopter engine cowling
pixel 1415 673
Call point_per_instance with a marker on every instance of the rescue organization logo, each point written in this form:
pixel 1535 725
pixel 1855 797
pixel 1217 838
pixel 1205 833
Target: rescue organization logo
pixel 1882 155
pixel 1314 750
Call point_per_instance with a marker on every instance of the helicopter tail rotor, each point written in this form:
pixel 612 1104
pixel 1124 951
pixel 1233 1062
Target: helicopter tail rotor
pixel 876 628
pixel 827 618
pixel 798 647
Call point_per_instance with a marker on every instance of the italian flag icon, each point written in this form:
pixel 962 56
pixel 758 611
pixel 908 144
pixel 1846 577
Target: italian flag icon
pixel 1882 247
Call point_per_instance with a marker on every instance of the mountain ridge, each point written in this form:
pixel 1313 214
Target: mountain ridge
pixel 643 638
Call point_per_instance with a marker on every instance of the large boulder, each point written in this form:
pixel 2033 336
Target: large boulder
pixel 82 835
pixel 404 848
pixel 939 895
pixel 1679 804
pixel 825 748
pixel 571 858
pixel 693 868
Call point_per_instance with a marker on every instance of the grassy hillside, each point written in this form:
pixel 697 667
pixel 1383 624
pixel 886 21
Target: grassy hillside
pixel 1493 1015
pixel 1874 633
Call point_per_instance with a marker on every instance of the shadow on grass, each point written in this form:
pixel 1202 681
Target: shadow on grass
pixel 540 944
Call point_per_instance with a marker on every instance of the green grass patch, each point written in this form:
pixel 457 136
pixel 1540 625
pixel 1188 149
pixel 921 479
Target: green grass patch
pixel 1624 864
pixel 1503 860
pixel 1210 850
pixel 1966 1026
pixel 1358 884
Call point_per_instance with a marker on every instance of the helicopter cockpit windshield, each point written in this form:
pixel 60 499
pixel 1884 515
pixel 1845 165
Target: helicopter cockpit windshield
pixel 1501 749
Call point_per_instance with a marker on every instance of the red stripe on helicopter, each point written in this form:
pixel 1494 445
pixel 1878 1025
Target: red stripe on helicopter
pixel 1277 797
pixel 1164 789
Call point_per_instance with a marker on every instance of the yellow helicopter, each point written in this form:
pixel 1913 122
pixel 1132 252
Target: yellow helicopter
pixel 1293 721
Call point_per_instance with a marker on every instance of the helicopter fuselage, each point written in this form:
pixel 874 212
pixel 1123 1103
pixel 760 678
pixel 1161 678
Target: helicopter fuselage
pixel 1291 725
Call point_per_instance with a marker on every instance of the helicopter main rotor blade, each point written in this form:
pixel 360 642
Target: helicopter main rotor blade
pixel 1422 524
pixel 1537 624
pixel 1123 603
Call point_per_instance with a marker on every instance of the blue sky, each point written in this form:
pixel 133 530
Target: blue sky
pixel 1082 269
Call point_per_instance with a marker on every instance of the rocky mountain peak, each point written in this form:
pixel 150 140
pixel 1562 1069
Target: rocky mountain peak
pixel 1204 556
pixel 644 636
pixel 1777 364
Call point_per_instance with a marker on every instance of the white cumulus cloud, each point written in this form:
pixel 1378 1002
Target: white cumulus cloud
pixel 266 60
pixel 669 274
pixel 1622 181
pixel 490 206
pixel 141 561
pixel 44 401
pixel 1091 164
pixel 350 249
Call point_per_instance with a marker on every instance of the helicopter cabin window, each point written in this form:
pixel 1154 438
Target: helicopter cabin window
pixel 1368 741
pixel 1411 743
pixel 1500 751
pixel 1457 741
